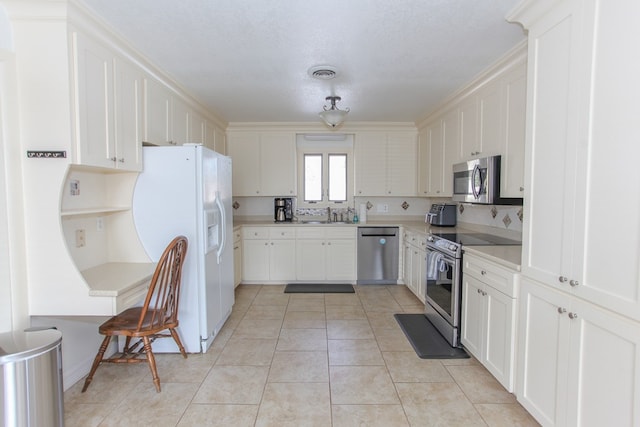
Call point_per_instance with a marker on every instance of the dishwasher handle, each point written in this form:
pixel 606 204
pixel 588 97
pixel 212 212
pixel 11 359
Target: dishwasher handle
pixel 378 231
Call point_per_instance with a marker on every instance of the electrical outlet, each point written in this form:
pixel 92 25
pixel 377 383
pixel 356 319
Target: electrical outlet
pixel 74 187
pixel 100 224
pixel 383 207
pixel 80 238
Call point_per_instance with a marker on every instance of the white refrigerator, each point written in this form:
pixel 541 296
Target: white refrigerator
pixel 186 190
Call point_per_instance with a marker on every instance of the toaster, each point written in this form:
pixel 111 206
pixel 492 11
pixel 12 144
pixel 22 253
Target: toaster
pixel 442 215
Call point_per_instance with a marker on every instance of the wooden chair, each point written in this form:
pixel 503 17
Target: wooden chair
pixel 159 313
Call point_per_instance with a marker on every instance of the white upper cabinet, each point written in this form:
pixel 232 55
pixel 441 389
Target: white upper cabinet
pixel 128 112
pixel 491 120
pixel 514 101
pixel 582 133
pixel 157 107
pixel 264 163
pixel 180 126
pixel 481 119
pixel 214 138
pixel 197 126
pixel 434 152
pixel 169 118
pixel 370 155
pixel 469 136
pixel 94 102
pixel 107 107
pixel 487 119
pixel 385 164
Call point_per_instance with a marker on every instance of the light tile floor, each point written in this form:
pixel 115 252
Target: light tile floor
pixel 301 360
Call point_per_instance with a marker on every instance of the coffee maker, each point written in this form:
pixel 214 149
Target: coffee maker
pixel 283 209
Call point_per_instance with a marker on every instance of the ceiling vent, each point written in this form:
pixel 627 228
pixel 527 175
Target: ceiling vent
pixel 323 72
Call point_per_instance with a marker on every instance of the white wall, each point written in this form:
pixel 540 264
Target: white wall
pixel 13 289
pixel 6 310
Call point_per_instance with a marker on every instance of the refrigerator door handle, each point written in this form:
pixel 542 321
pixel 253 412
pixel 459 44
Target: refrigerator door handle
pixel 221 228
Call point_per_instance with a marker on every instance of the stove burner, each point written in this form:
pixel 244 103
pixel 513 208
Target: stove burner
pixel 476 239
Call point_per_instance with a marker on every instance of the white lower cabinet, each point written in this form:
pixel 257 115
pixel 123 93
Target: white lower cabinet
pixel 268 254
pixel 488 316
pixel 577 363
pixel 326 253
pixel 415 263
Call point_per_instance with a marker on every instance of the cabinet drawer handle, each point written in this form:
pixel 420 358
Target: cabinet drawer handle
pixel 573 315
pixel 574 282
pixel 562 279
pixel 562 310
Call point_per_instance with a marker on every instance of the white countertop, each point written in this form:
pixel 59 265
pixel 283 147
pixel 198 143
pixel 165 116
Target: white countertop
pixel 115 278
pixel 508 256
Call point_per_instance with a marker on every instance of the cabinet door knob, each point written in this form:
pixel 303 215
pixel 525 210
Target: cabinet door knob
pixel 562 279
pixel 521 188
pixel 479 291
pixel 121 160
pixel 574 282
pixel 483 272
pixel 562 310
pixel 573 315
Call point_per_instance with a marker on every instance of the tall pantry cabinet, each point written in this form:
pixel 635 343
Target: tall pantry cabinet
pixel 579 314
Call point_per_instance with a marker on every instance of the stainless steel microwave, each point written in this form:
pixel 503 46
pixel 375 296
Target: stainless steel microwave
pixel 478 181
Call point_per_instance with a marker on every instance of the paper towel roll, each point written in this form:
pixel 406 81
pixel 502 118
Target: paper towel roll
pixel 363 213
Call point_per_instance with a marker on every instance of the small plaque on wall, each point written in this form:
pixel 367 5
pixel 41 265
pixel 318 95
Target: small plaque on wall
pixel 47 154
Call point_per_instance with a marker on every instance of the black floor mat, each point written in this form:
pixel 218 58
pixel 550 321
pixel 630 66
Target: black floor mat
pixel 318 288
pixel 425 338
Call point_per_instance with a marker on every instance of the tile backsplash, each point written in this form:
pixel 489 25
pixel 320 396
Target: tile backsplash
pixel 504 217
pixel 379 206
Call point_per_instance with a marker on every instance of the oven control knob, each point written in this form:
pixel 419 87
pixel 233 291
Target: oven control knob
pixel 452 247
pixel 430 239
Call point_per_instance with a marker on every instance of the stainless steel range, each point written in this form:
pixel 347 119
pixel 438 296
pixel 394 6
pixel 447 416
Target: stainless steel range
pixel 444 281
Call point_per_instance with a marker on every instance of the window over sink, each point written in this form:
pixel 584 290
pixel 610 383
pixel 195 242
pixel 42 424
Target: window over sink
pixel 325 165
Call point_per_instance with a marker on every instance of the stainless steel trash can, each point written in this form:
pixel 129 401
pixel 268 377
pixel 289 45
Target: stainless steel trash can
pixel 31 378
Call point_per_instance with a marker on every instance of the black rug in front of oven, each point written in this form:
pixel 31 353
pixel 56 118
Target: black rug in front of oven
pixel 425 338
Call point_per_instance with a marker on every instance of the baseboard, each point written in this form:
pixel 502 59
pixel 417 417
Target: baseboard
pixel 82 368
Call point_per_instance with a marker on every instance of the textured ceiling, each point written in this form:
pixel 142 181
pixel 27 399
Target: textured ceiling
pixel 248 59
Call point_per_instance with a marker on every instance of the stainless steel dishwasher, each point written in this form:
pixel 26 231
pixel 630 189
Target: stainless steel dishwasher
pixel 378 255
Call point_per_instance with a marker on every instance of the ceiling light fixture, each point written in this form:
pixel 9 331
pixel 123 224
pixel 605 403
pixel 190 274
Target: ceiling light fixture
pixel 333 116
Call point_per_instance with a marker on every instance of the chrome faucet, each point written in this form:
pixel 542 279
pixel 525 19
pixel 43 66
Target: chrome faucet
pixel 328 214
